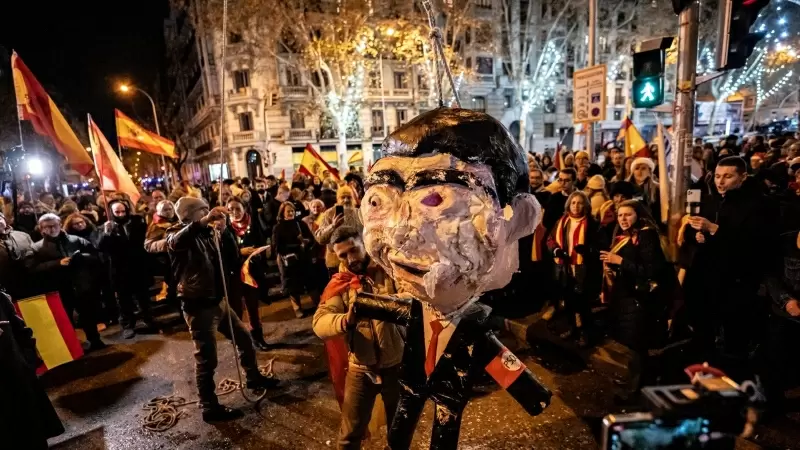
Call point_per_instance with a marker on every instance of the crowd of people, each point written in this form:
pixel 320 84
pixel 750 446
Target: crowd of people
pixel 601 246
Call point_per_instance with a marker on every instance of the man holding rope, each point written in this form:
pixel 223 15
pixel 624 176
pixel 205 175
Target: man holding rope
pixel 194 246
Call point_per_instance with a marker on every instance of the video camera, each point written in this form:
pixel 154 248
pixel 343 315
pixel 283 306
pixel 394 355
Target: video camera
pixel 707 414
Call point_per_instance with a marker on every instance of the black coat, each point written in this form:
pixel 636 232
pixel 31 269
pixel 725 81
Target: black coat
pixel 27 417
pixel 745 247
pixel 195 262
pixel 468 353
pixel 14 249
pixel 554 209
pixel 77 278
pixel 265 211
pixel 124 247
pixel 639 291
pixel 293 237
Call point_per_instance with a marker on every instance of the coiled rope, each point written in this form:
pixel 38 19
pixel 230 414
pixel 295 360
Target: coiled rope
pixel 164 413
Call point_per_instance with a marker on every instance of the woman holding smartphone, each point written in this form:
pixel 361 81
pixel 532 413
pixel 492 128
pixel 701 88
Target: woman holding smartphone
pixel 637 276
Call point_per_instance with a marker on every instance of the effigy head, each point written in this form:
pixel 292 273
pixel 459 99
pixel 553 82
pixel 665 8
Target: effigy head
pixel 445 206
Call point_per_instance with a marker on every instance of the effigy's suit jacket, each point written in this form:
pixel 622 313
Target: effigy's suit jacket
pixel 472 348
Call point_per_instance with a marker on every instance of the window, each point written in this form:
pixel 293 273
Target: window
pixel 292 77
pixel 617 114
pixel 550 106
pixel 620 18
pixel 468 63
pixel 377 122
pixel 234 38
pixel 402 116
pixel 422 82
pixel 549 130
pixel 241 79
pixel 619 98
pixel 400 80
pixel 245 121
pixel 297 120
pixel 468 36
pixel 570 70
pixel 483 34
pixel 479 104
pixel 375 79
pixel 507 102
pixel 484 65
pixel 570 100
pixel 485 4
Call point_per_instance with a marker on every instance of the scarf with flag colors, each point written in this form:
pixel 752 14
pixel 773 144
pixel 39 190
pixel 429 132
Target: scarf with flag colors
pixel 112 174
pixel 34 105
pixel 635 144
pixel 132 135
pixel 578 238
pixel 56 341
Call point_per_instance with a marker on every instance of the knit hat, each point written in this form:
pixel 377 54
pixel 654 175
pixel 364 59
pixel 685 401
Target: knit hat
pixel 623 188
pixel 596 183
pixel 646 161
pixel 186 206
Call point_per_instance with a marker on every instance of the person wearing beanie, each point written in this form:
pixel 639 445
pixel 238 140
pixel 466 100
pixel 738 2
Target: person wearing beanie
pixel 155 243
pixel 193 248
pixel 596 191
pixel 646 185
pixel 122 240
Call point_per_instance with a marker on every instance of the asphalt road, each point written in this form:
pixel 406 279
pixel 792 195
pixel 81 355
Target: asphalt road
pixel 100 399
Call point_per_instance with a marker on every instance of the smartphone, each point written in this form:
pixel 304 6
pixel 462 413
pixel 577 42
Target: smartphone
pixel 693 199
pixel 643 431
pixel 339 210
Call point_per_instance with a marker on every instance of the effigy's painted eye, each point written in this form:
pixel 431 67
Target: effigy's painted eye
pixel 432 199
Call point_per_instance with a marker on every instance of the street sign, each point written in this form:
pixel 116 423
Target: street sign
pixel 589 94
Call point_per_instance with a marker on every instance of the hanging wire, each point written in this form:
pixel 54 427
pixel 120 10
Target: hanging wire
pixel 439 56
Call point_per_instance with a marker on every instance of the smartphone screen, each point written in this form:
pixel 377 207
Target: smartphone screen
pixel 339 210
pixel 643 433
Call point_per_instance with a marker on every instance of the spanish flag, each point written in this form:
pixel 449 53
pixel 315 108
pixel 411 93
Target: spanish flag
pixel 634 143
pixel 56 341
pixel 112 174
pixel 313 164
pixel 132 135
pixel 35 105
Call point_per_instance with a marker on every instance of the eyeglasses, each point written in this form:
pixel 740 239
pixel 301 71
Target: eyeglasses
pixel 565 180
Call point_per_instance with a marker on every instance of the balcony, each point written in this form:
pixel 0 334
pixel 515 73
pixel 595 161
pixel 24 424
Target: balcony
pixel 480 78
pixel 401 92
pixel 295 92
pixel 251 137
pixel 243 95
pixel 299 135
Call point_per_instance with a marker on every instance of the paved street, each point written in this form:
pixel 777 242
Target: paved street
pixel 100 399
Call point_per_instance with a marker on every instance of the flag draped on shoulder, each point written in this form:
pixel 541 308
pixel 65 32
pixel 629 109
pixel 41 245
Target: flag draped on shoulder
pixel 313 164
pixel 635 145
pixel 112 174
pixel 36 106
pixel 132 135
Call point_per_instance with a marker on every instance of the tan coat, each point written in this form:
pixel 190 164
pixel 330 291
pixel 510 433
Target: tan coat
pixel 371 343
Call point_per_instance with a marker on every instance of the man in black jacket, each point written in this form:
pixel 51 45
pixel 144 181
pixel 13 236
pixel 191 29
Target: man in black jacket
pixel 123 241
pixel 14 247
pixel 554 208
pixel 68 264
pixel 264 207
pixel 193 247
pixel 736 243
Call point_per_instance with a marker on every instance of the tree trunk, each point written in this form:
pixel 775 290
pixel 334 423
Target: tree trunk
pixel 341 147
pixel 523 119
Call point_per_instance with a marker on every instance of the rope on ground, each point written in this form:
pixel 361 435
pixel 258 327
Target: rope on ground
pixel 164 411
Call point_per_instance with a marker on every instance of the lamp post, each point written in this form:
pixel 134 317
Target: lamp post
pixel 125 88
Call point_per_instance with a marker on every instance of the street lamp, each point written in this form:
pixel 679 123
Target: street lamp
pixel 125 88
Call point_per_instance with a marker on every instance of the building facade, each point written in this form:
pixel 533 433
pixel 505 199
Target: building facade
pixel 268 121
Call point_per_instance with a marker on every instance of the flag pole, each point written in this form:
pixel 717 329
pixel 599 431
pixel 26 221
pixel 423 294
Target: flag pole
pixel 97 168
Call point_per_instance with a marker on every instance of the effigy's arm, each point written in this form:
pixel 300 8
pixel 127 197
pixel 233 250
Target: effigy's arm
pixel 383 307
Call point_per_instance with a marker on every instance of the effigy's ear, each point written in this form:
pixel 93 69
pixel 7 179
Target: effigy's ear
pixel 522 216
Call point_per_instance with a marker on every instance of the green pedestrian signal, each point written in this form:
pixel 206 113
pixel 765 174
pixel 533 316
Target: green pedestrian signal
pixel 648 92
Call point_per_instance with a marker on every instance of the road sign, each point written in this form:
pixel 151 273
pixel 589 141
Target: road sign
pixel 589 94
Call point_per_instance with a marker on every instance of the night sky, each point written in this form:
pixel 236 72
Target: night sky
pixel 80 50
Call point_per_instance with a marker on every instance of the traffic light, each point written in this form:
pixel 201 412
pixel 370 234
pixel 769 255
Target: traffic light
pixel 648 78
pixel 736 42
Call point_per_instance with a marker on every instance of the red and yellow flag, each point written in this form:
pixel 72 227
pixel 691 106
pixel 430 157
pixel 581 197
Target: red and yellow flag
pixel 313 164
pixel 132 135
pixel 112 174
pixel 56 341
pixel 35 105
pixel 634 143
